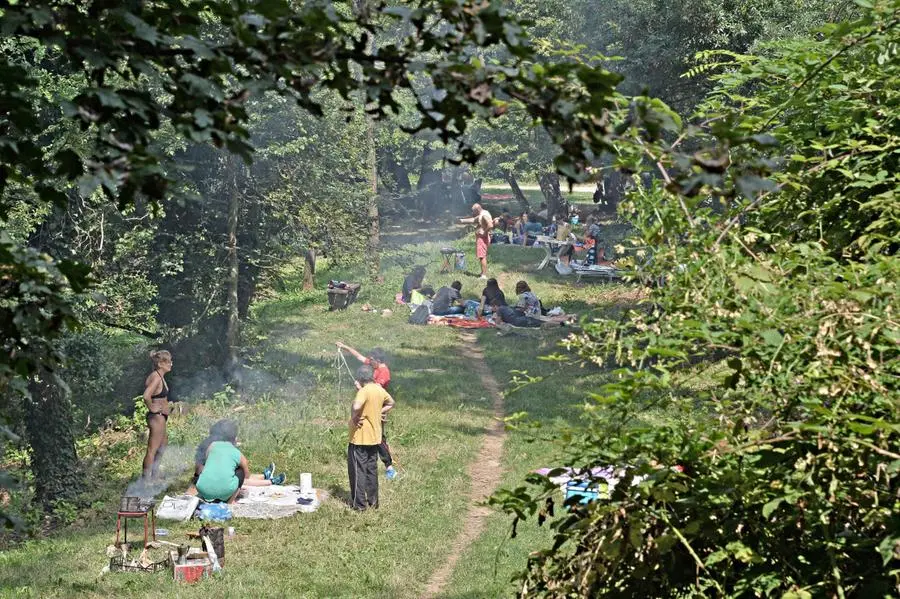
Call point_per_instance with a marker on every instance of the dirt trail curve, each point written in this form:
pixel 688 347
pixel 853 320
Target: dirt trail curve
pixel 485 472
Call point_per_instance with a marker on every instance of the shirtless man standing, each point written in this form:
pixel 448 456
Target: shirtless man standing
pixel 483 225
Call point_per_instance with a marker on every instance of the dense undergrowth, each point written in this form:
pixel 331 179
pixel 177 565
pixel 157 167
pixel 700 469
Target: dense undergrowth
pixel 776 238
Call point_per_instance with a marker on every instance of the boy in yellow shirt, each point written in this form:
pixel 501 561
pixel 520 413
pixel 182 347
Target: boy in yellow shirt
pixel 369 405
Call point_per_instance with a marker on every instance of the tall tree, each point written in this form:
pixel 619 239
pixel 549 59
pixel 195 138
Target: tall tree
pixel 372 247
pixel 233 331
pixel 48 421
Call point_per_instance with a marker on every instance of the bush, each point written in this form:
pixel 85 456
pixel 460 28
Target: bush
pixel 778 243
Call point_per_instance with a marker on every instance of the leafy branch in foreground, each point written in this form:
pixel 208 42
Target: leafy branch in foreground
pixel 776 237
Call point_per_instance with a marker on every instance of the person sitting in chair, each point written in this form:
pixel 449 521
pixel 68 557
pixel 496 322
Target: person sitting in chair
pixel 594 254
pixel 528 230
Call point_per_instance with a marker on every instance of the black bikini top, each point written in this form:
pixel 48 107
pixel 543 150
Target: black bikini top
pixel 164 394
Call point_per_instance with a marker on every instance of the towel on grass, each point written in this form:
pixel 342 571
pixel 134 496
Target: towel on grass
pixel 273 502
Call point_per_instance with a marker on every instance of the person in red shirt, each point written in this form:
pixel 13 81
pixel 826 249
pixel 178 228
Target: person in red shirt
pixel 382 375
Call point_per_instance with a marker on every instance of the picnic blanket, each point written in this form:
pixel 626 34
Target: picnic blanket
pixel 461 322
pixel 611 475
pixel 273 502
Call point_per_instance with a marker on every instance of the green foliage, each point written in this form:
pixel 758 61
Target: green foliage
pixel 119 90
pixel 657 39
pixel 776 239
pixel 34 309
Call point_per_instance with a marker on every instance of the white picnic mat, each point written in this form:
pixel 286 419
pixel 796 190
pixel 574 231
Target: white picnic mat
pixel 269 503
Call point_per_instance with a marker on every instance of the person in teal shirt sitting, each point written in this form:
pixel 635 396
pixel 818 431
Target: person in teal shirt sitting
pixel 226 470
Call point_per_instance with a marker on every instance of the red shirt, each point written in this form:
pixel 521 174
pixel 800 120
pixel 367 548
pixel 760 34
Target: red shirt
pixel 382 373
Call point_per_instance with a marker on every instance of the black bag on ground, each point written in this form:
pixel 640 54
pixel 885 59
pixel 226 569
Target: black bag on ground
pixel 420 316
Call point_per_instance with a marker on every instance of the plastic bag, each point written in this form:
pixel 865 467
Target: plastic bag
pixel 420 316
pixel 563 269
pixel 216 512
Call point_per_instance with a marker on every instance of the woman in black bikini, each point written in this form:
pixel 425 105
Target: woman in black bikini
pixel 156 396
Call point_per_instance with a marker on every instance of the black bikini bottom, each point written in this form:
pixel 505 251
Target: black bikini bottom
pixel 152 414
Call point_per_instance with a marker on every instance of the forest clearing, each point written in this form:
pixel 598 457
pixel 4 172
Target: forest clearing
pixel 450 299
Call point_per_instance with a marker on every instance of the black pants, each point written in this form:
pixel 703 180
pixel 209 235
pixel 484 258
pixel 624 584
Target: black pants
pixel 362 468
pixel 516 318
pixel 384 452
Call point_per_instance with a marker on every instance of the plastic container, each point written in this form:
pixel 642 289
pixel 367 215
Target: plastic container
pixel 585 491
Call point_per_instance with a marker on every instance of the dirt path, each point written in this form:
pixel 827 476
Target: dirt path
pixel 485 472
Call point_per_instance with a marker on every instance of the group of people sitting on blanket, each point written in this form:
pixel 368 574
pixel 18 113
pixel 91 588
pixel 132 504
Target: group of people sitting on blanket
pixel 448 301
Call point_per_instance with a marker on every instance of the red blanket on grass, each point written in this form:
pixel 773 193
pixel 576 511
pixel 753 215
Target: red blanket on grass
pixel 463 323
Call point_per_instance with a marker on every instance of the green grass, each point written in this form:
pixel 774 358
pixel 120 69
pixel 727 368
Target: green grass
pixel 294 412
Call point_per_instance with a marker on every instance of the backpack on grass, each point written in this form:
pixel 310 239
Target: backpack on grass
pixel 420 316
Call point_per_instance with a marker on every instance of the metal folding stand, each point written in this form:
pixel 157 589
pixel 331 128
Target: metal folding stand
pixel 149 525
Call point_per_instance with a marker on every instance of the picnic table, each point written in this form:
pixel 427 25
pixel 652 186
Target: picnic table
pixel 549 243
pixel 609 273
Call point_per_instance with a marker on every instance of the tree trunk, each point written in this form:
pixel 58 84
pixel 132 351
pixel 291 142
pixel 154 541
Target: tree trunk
pixel 372 247
pixel 374 242
pixel 309 271
pixel 399 177
pixel 48 422
pixel 428 175
pixel 549 183
pixel 517 191
pixel 232 334
pixel 613 190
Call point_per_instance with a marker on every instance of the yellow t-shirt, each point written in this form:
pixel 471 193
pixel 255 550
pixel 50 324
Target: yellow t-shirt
pixel 373 397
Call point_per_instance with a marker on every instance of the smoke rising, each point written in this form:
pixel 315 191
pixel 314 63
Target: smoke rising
pixel 254 385
pixel 176 460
